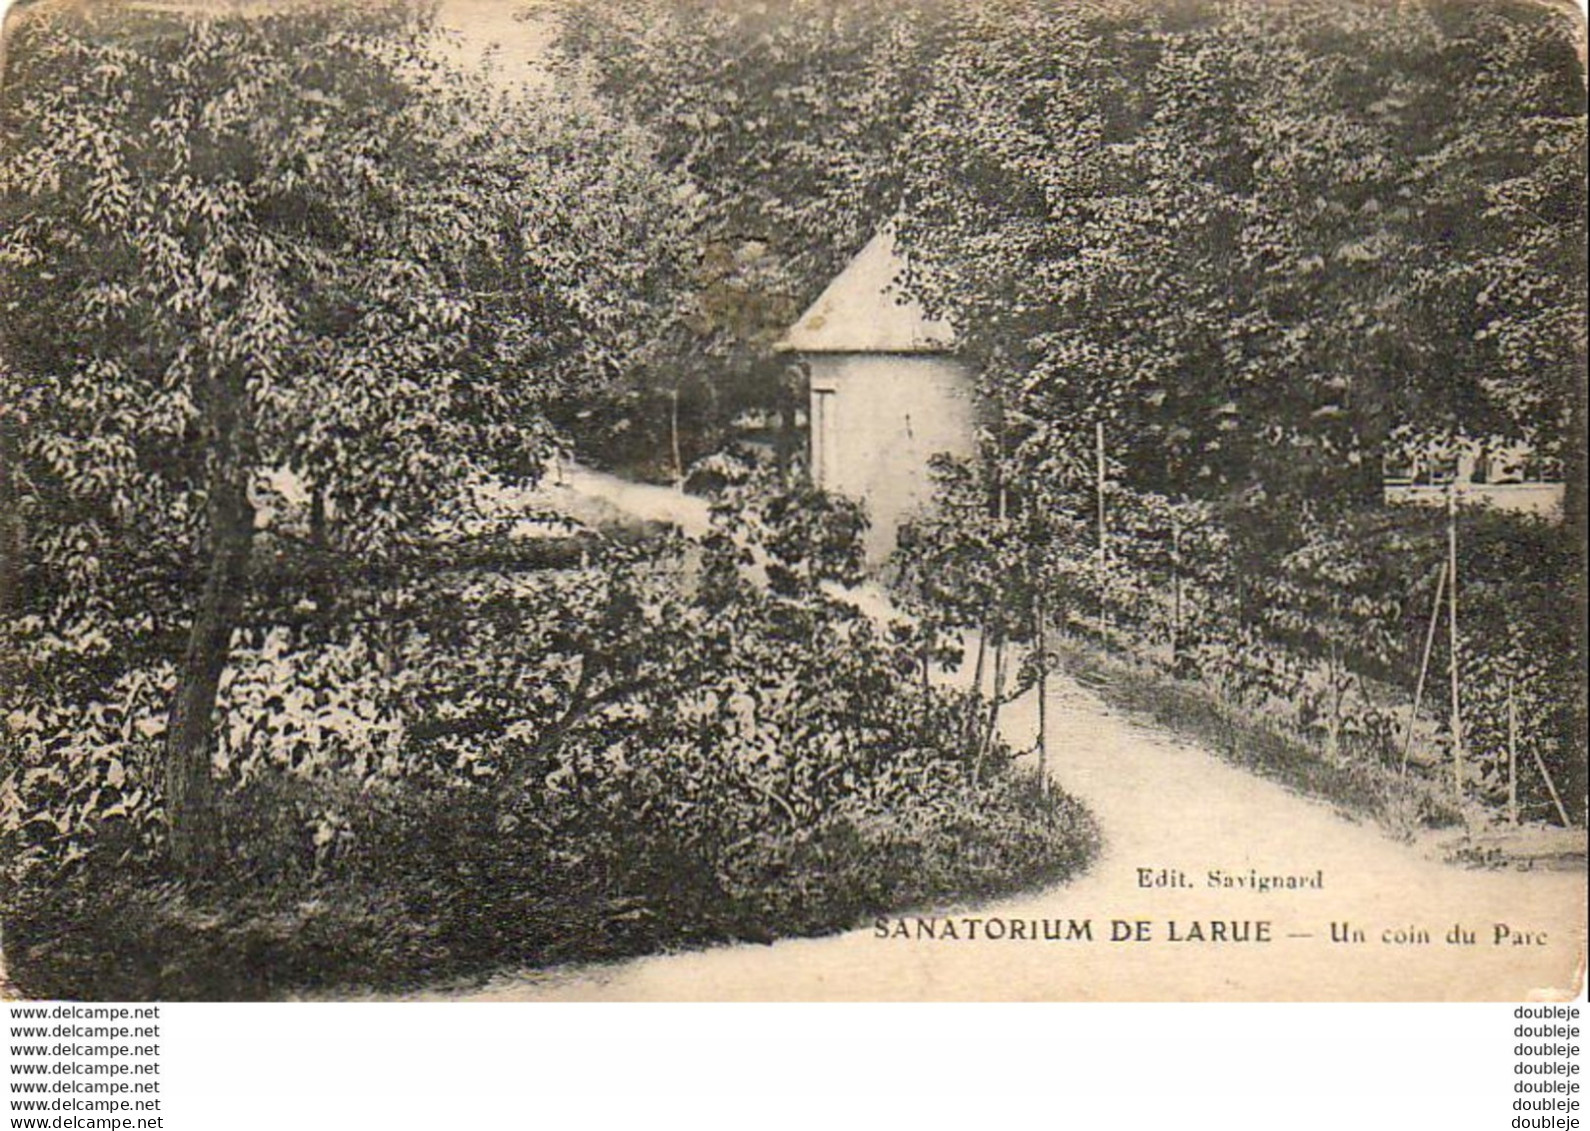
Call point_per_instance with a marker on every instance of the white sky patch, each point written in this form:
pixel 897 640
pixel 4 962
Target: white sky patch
pixel 491 32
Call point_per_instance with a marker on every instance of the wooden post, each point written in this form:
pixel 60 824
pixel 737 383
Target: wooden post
pixel 1551 787
pixel 673 424
pixel 1043 691
pixel 1333 724
pixel 977 677
pixel 1101 473
pixel 1452 634
pixel 1001 673
pixel 1424 664
pixel 1512 754
pixel 1104 550
pixel 1175 588
pixel 987 737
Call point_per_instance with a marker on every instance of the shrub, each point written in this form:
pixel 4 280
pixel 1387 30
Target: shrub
pixel 479 768
pixel 1310 616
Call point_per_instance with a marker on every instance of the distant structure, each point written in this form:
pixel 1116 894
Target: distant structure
pixel 1493 472
pixel 887 392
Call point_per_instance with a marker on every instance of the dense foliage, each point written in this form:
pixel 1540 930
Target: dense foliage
pixel 488 766
pixel 1248 251
pixel 1368 215
pixel 1315 624
pixel 1371 219
pixel 786 122
pixel 303 682
pixel 288 309
pixel 248 258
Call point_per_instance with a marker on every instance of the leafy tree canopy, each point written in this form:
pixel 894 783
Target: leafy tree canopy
pixel 1252 238
pixel 238 248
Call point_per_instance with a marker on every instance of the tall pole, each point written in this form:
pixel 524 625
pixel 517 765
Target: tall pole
pixel 1512 753
pixel 1175 587
pixel 1104 550
pixel 1452 632
pixel 673 431
pixel 1424 665
pixel 1551 787
pixel 1100 473
pixel 1043 691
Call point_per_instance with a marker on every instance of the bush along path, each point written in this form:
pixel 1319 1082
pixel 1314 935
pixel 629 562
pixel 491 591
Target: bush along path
pixel 1170 813
pixel 506 758
pixel 1244 890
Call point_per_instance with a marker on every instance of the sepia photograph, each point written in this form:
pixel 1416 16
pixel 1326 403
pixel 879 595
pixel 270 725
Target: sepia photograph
pixel 827 500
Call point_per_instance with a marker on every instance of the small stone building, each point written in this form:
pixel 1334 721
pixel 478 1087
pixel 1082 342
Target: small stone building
pixel 887 391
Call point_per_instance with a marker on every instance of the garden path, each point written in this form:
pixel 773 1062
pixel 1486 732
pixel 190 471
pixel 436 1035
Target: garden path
pixel 690 513
pixel 1165 805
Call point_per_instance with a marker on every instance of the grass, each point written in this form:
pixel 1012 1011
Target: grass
pixel 1360 789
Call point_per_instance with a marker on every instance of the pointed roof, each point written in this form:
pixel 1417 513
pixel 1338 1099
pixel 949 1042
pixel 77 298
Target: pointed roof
pixel 864 310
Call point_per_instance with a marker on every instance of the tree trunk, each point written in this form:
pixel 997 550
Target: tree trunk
pixel 13 536
pixel 673 439
pixel 321 572
pixel 318 536
pixel 190 794
pixel 189 789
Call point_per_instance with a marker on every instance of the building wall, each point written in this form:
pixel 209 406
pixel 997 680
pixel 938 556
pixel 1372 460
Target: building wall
pixel 876 420
pixel 1543 499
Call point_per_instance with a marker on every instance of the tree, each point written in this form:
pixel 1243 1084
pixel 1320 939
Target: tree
pixel 786 125
pixel 1346 249
pixel 1208 256
pixel 241 247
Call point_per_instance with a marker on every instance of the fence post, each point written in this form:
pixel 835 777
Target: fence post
pixel 1424 665
pixel 1175 587
pixel 977 675
pixel 1104 551
pixel 1043 690
pixel 1512 754
pixel 1452 633
pixel 993 703
pixel 673 438
pixel 1551 788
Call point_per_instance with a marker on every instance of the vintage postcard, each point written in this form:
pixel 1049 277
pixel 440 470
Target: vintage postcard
pixel 882 500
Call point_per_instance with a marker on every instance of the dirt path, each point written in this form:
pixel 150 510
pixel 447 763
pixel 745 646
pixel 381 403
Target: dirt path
pixel 643 500
pixel 1166 806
